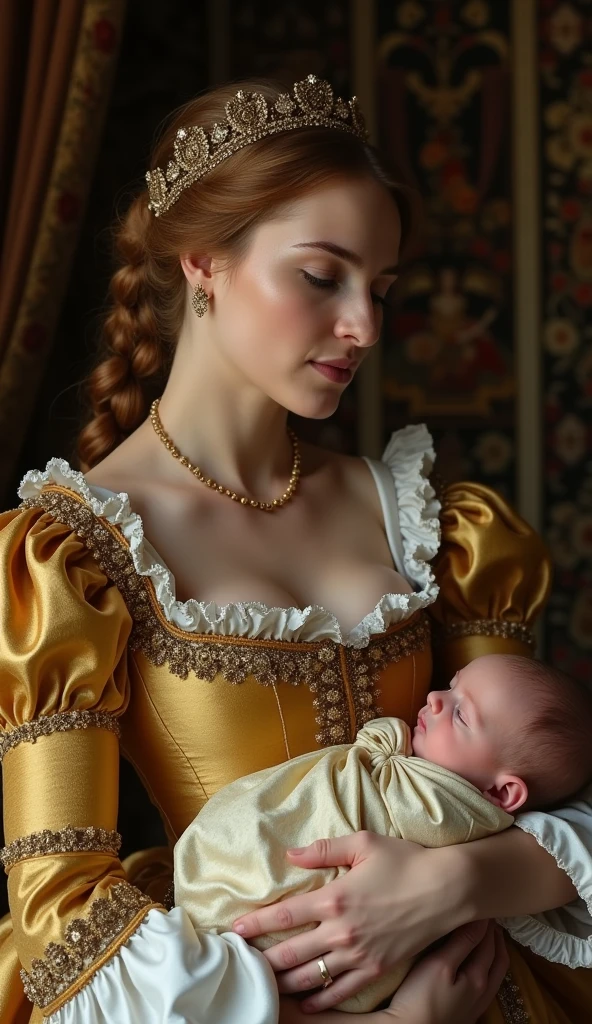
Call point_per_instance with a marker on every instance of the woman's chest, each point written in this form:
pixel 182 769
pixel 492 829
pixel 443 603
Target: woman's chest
pixel 247 705
pixel 337 559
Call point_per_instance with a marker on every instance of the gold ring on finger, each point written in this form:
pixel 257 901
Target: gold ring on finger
pixel 327 979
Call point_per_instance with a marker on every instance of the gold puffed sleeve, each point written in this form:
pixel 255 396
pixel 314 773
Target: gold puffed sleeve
pixel 63 685
pixel 494 576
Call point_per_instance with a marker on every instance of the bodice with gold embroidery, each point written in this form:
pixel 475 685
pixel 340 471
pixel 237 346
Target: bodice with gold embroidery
pixel 96 648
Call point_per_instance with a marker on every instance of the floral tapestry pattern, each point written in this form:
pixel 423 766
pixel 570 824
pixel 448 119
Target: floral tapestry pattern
pixel 444 81
pixel 565 58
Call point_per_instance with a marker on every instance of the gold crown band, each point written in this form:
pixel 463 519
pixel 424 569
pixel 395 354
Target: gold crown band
pixel 249 117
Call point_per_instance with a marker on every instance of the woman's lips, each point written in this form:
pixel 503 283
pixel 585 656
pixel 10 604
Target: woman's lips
pixel 337 374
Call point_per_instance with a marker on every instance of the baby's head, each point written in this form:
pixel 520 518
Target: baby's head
pixel 520 731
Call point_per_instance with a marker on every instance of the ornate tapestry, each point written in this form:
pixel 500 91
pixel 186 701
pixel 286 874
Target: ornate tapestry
pixel 565 57
pixel 444 85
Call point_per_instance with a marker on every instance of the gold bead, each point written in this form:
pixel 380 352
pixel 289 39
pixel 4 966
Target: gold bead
pixel 265 506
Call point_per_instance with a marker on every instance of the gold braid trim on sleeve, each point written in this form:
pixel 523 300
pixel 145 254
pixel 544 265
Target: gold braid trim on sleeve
pixel 29 732
pixel 86 946
pixel 489 627
pixel 66 840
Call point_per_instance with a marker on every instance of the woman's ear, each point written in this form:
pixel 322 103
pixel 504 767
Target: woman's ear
pixel 508 792
pixel 198 270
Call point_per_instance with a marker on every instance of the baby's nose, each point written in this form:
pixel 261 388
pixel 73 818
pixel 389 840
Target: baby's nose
pixel 435 702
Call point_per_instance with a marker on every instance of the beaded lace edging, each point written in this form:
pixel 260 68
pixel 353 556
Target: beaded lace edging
pixel 63 721
pixel 64 840
pixel 85 939
pixel 490 627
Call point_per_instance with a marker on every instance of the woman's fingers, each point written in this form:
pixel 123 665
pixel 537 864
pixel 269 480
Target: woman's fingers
pixel 308 974
pixel 279 917
pixel 498 969
pixel 462 944
pixel 477 965
pixel 339 852
pixel 345 985
pixel 301 910
pixel 483 971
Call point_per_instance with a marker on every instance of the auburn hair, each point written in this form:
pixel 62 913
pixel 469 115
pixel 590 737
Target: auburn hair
pixel 214 216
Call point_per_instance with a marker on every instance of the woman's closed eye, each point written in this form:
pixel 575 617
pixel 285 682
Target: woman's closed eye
pixel 331 283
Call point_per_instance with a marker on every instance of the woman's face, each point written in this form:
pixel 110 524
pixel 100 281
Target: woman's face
pixel 304 307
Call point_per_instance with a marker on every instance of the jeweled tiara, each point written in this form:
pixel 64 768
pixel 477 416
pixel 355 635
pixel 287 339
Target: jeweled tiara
pixel 249 117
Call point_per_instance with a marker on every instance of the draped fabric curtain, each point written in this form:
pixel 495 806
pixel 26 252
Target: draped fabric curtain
pixel 57 59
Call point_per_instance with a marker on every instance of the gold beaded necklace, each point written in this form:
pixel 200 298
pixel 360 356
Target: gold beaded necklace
pixel 265 506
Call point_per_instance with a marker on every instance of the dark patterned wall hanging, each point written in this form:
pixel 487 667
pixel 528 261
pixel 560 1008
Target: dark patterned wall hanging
pixel 444 87
pixel 566 158
pixel 287 39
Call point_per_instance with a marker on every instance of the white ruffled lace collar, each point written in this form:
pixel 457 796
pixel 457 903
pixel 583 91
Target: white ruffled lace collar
pixel 409 456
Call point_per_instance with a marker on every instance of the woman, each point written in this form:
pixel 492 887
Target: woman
pixel 220 598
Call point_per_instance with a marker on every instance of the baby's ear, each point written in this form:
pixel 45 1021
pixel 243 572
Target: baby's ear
pixel 508 792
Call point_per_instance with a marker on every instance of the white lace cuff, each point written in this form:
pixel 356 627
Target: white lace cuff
pixel 168 974
pixel 563 936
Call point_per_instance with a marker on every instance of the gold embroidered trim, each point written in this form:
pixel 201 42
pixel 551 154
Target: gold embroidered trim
pixel 85 940
pixel 365 666
pixel 169 897
pixel 316 664
pixel 491 627
pixel 65 840
pixel 511 1002
pixel 29 732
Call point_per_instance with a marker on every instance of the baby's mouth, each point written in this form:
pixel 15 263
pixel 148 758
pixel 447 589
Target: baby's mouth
pixel 421 721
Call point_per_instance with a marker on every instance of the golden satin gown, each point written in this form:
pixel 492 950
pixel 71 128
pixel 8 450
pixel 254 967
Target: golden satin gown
pixel 89 665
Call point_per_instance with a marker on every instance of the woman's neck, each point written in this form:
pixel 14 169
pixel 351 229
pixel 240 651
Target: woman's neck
pixel 235 434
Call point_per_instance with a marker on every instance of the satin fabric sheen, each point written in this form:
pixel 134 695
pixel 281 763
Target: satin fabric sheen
pixel 232 858
pixel 65 631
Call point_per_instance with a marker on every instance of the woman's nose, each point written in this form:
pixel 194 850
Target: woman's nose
pixel 361 324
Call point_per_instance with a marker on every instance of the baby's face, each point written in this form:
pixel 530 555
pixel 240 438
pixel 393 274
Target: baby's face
pixel 466 727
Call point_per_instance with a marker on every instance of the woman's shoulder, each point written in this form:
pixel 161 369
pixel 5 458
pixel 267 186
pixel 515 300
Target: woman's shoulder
pixel 66 625
pixel 55 534
pixel 127 468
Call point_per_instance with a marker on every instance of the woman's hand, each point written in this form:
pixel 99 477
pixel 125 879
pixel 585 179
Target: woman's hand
pixel 454 985
pixel 457 983
pixel 396 899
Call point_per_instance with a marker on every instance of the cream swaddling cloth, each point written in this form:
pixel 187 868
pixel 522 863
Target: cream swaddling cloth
pixel 232 858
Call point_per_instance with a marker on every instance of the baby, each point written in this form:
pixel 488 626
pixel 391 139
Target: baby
pixel 509 733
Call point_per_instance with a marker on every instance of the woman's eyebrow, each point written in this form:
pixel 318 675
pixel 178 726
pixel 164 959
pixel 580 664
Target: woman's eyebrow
pixel 344 254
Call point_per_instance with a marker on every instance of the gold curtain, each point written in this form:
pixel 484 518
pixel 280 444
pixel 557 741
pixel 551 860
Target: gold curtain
pixel 57 59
